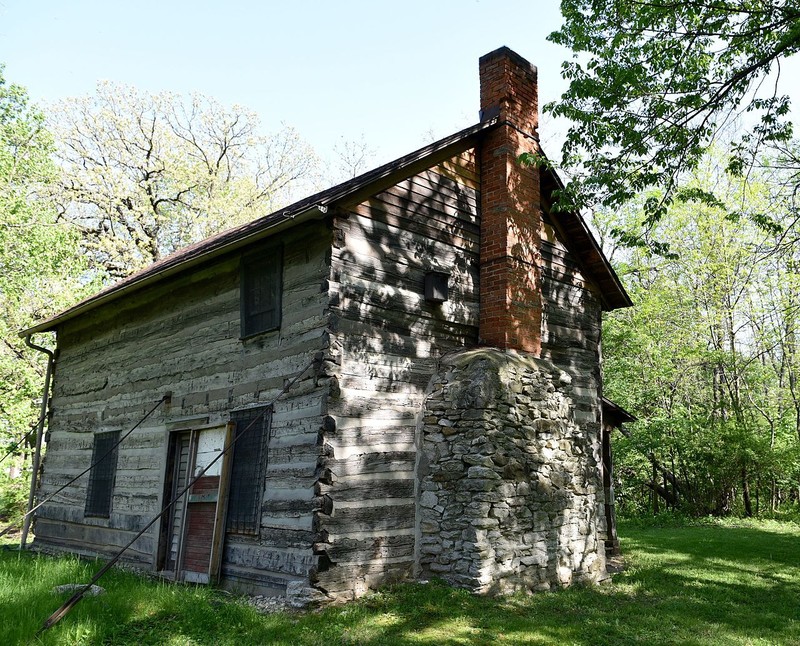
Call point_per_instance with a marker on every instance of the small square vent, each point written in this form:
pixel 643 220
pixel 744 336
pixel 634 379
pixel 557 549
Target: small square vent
pixel 436 286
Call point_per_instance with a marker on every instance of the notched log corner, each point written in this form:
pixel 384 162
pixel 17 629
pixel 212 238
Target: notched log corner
pixel 329 424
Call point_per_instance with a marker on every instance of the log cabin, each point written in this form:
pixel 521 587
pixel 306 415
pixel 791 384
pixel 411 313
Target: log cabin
pixel 396 378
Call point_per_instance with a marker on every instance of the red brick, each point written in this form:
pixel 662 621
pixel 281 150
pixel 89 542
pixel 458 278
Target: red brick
pixel 510 281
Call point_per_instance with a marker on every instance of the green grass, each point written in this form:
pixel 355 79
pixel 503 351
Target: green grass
pixel 707 584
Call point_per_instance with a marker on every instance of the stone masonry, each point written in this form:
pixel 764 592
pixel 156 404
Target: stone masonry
pixel 508 481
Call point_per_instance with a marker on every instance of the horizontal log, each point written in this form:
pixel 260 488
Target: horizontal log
pixel 456 216
pixel 390 435
pixel 408 308
pixel 339 581
pixel 104 540
pixel 397 461
pixel 355 491
pixel 57 542
pixel 292 561
pixel 455 200
pixel 359 551
pixel 404 239
pixel 414 340
pixel 271 538
pixel 379 519
pixel 364 274
pixel 449 180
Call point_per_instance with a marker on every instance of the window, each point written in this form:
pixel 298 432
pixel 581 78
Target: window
pixel 101 476
pixel 249 469
pixel 261 282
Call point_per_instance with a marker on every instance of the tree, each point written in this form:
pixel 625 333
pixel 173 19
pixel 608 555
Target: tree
pixel 38 258
pixel 708 357
pixel 351 158
pixel 142 175
pixel 654 83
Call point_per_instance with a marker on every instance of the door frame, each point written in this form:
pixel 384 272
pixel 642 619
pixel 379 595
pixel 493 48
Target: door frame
pixel 169 489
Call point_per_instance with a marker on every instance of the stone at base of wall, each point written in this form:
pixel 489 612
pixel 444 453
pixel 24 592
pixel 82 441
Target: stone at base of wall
pixel 299 594
pixel 509 475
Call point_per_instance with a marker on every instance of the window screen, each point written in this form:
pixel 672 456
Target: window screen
pixel 261 282
pixel 101 476
pixel 249 469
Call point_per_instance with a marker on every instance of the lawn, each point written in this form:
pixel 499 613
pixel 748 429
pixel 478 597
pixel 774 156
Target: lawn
pixel 708 584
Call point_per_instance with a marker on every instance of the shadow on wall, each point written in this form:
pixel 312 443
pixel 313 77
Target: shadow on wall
pixel 387 340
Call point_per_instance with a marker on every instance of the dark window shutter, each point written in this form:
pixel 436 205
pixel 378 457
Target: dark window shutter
pixel 249 469
pixel 261 285
pixel 101 476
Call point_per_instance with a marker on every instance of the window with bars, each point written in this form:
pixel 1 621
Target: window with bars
pixel 249 469
pixel 101 476
pixel 261 286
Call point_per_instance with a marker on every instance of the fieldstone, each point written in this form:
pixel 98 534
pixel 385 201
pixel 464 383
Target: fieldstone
pixel 500 513
pixel 300 594
pixel 478 460
pixel 428 499
pixel 525 456
pixel 91 591
pixel 439 567
pixel 484 523
pixel 479 485
pixel 482 472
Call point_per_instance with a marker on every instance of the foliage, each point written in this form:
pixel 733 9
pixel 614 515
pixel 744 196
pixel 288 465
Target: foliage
pixel 38 257
pixel 653 85
pixel 707 358
pixel 13 497
pixel 142 175
pixel 708 584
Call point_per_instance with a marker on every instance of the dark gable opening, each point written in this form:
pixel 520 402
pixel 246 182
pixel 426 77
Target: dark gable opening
pixel 261 287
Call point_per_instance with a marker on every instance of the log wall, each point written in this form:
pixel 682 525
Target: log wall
pixel 182 336
pixel 386 341
pixel 571 329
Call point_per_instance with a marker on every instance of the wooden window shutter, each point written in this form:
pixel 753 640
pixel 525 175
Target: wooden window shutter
pixel 249 469
pixel 261 287
pixel 101 476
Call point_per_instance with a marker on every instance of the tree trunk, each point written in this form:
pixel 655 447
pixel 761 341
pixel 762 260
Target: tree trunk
pixel 654 488
pixel 758 491
pixel 748 506
pixel 772 502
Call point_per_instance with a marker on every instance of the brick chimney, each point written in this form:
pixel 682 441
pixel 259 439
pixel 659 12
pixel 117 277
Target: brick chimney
pixel 510 275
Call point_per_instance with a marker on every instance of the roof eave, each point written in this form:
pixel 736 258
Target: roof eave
pixel 614 295
pixel 112 294
pixel 616 414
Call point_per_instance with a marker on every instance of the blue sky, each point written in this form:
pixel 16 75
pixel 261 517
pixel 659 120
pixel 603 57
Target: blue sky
pixel 395 73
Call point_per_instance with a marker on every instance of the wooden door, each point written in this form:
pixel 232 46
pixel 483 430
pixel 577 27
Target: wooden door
pixel 192 538
pixel 177 477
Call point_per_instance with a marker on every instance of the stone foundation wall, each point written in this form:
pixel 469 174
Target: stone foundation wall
pixel 508 479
